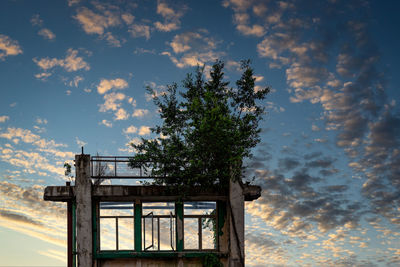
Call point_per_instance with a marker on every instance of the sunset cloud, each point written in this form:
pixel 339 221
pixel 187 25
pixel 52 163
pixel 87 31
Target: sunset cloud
pixel 144 130
pixel 171 17
pixel 47 34
pixel 4 118
pixel 95 23
pixel 140 113
pixel 106 85
pixel 71 62
pixel 8 47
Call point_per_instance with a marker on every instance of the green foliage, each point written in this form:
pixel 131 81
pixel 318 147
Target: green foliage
pixel 208 129
pixel 211 260
pixel 67 171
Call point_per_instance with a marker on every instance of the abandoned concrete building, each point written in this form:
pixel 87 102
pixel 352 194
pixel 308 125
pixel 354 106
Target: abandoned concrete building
pixel 148 225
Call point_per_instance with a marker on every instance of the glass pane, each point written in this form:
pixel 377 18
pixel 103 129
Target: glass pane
pixel 159 208
pixel 107 234
pixel 208 233
pixel 126 234
pixel 149 225
pixel 116 209
pixel 191 236
pixel 165 233
pixel 199 208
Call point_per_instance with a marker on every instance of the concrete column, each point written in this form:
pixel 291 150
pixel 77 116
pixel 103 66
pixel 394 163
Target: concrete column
pixel 236 212
pixel 83 195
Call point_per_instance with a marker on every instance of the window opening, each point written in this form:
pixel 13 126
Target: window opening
pixel 200 222
pixel 159 228
pixel 116 224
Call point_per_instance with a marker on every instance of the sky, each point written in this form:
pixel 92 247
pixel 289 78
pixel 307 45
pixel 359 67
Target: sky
pixel 73 73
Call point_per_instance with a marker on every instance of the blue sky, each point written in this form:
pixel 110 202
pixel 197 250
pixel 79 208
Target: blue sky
pixel 74 73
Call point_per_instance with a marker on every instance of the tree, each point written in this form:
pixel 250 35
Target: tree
pixel 207 129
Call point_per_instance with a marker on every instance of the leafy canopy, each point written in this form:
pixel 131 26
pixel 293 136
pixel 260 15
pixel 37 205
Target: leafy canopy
pixel 207 129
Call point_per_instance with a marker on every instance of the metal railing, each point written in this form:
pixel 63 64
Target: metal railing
pixel 119 167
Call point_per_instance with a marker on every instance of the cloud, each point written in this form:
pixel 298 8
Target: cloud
pixel 171 17
pixel 42 76
pixel 121 114
pixel 130 130
pixel 140 113
pixel 55 254
pixel 300 76
pixel 8 47
pixel 73 2
pixel 127 18
pixel 112 101
pixel 144 130
pixel 75 82
pixel 28 214
pixel 140 30
pixel 106 85
pixel 44 32
pixel 111 39
pixel 31 162
pixel 194 59
pixel 191 40
pixel 94 23
pixel 47 34
pixel 71 62
pixel 321 163
pixel 140 50
pixel 288 164
pixel 41 121
pixel 36 20
pixel 106 123
pixel 4 118
pixel 256 30
pixel 16 134
pixel 80 143
pixel 315 128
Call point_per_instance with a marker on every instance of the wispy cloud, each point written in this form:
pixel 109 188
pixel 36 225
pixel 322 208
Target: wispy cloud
pixel 106 123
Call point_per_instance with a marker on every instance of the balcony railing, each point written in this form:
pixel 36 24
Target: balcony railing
pixel 116 167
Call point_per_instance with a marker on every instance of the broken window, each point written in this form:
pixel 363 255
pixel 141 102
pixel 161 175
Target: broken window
pixel 158 226
pixel 116 226
pixel 200 222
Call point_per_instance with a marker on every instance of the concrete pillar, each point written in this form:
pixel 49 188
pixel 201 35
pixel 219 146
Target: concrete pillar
pixel 236 212
pixel 83 196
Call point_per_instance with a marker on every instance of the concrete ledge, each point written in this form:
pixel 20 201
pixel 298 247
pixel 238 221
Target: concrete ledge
pixel 58 193
pixel 145 193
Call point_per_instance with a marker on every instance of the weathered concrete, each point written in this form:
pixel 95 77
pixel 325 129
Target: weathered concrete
pixel 236 224
pixel 144 193
pixel 83 195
